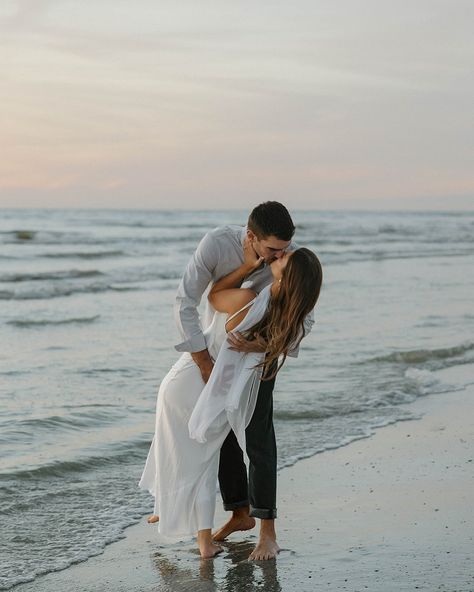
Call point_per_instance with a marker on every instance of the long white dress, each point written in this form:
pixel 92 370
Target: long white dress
pixel 182 464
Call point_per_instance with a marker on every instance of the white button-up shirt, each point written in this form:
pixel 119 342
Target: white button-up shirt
pixel 218 253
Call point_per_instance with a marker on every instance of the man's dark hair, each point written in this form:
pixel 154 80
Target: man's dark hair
pixel 271 218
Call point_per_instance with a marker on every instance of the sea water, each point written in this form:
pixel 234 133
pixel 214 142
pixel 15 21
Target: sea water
pixel 87 333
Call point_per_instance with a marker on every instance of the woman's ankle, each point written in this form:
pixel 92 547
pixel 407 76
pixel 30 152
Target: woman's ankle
pixel 204 536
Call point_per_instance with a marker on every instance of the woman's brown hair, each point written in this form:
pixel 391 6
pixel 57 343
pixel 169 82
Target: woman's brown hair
pixel 283 325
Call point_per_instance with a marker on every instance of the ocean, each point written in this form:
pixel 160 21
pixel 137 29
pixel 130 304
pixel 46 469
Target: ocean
pixel 87 333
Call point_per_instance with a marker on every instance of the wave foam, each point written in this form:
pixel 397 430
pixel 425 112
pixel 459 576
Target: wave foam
pixel 47 322
pixel 419 356
pixel 51 275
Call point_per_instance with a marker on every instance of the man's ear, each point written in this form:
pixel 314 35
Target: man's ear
pixel 250 235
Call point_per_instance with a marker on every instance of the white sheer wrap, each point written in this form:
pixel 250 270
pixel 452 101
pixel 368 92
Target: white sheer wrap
pixel 231 392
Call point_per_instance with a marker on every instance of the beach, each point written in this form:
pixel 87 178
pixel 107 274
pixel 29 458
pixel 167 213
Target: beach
pixel 391 512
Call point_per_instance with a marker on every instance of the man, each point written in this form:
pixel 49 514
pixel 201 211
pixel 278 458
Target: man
pixel 269 230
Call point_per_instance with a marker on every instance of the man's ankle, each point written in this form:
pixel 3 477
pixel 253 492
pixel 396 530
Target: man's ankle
pixel 267 528
pixel 241 512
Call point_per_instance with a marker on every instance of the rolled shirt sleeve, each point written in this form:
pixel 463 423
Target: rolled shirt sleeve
pixel 196 278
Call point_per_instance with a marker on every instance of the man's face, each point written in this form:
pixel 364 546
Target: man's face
pixel 270 247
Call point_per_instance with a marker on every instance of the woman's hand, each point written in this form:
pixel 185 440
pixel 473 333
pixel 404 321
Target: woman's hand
pixel 251 259
pixel 239 343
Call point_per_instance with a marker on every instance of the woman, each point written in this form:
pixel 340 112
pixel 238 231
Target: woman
pixel 193 418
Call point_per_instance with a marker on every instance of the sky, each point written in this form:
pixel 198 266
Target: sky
pixel 222 104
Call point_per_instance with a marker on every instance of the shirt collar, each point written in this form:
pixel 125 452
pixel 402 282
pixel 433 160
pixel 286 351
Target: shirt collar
pixel 243 235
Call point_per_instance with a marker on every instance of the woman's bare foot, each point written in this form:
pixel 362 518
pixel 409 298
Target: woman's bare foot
pixel 267 547
pixel 152 519
pixel 240 520
pixel 208 551
pixel 207 547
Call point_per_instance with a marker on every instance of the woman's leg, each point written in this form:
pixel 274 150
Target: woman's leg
pixel 207 547
pixel 180 472
pixel 175 471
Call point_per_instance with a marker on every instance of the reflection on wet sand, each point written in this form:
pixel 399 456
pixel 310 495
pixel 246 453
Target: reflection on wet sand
pixel 183 570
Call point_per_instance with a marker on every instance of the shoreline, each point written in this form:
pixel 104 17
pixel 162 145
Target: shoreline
pixel 392 511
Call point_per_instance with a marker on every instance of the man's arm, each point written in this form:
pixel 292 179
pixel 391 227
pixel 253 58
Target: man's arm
pixel 196 278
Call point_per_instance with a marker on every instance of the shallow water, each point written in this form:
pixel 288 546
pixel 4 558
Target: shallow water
pixel 87 333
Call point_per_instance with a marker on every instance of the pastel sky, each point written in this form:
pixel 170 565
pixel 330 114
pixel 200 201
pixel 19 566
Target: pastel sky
pixel 225 103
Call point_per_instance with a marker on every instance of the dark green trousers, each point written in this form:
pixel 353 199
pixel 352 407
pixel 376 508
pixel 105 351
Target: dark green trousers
pixel 259 490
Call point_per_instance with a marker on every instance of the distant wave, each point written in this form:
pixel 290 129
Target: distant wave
pixel 46 322
pixel 185 234
pixel 20 234
pixel 79 420
pixel 13 372
pixel 28 235
pixel 58 291
pixel 125 372
pixel 66 283
pixel 155 225
pixel 359 256
pixel 84 255
pixel 418 356
pixel 50 275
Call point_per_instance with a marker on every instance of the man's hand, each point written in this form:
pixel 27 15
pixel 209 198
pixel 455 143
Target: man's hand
pixel 239 343
pixel 204 362
pixel 251 259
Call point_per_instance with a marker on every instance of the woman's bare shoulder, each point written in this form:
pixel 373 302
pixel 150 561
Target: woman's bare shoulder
pixel 242 297
pixel 231 300
pixel 240 308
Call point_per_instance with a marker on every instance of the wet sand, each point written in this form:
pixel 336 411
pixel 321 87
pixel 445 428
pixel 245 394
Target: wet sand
pixel 392 512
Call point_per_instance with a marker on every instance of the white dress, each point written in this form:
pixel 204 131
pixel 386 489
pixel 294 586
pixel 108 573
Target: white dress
pixel 183 461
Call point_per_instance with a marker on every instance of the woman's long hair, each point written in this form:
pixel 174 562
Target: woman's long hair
pixel 283 324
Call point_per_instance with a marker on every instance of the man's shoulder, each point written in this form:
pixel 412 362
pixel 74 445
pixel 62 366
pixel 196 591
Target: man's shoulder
pixel 229 232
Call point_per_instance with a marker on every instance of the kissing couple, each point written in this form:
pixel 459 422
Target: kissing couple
pixel 217 399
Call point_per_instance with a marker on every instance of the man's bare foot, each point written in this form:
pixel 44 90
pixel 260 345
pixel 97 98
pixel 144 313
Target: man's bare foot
pixel 152 519
pixel 207 547
pixel 266 548
pixel 240 520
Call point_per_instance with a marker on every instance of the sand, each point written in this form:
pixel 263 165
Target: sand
pixel 392 512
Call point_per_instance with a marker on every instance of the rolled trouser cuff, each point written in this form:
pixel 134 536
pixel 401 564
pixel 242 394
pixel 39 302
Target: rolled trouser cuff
pixel 263 513
pixel 236 505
